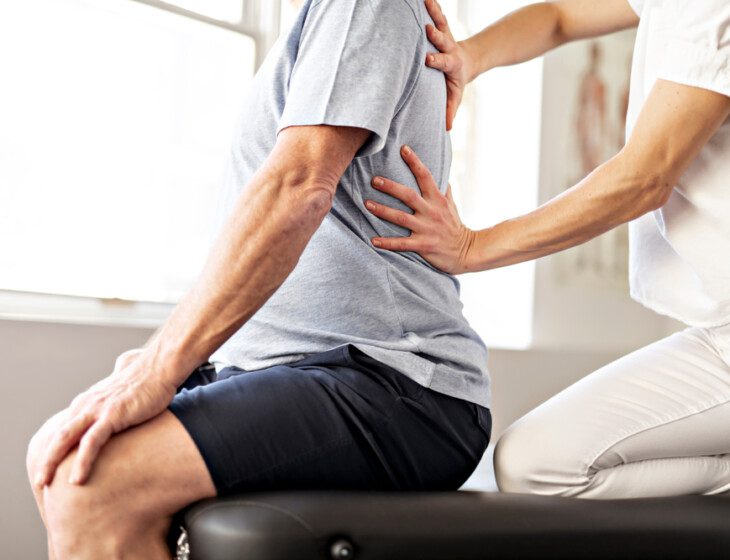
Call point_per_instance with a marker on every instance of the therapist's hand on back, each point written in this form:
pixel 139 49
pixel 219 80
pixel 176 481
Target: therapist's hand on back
pixel 454 60
pixel 437 232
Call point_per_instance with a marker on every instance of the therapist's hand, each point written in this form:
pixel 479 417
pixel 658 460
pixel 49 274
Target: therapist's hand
pixel 437 233
pixel 453 60
pixel 128 397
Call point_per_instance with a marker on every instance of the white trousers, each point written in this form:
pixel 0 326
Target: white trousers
pixel 654 423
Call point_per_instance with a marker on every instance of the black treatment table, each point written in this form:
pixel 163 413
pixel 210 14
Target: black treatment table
pixel 453 526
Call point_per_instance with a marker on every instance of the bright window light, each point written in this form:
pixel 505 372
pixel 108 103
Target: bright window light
pixel 116 118
pixel 224 10
pixel 116 121
pixel 495 175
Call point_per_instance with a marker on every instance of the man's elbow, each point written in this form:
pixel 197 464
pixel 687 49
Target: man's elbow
pixel 319 198
pixel 313 193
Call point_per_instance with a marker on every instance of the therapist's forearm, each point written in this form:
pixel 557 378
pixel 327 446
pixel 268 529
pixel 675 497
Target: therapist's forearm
pixel 538 28
pixel 607 198
pixel 675 123
pixel 520 36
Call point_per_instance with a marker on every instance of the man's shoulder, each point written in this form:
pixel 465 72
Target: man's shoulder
pixel 409 14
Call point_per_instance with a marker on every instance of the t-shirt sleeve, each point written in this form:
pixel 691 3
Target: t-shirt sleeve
pixel 698 44
pixel 637 6
pixel 356 64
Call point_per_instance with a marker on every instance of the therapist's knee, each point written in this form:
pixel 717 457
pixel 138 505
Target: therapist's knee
pixel 527 461
pixel 515 461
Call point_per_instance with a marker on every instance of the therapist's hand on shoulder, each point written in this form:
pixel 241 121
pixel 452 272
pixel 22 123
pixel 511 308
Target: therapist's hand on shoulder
pixel 437 232
pixel 453 60
pixel 128 397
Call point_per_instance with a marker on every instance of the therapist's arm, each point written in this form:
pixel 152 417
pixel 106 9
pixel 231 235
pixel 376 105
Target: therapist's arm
pixel 271 224
pixel 520 36
pixel 675 124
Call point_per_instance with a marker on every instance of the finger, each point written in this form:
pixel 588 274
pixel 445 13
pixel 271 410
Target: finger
pixel 397 217
pixel 441 41
pixel 440 61
pixel 89 448
pixel 450 195
pixel 423 176
pixel 399 244
pixel 451 108
pixel 406 195
pixel 61 443
pixel 437 15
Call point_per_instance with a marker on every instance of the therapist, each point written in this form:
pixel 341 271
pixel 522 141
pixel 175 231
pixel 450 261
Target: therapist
pixel 656 422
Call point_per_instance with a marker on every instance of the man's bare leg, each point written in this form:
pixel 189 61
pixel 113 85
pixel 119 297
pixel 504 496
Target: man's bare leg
pixel 142 477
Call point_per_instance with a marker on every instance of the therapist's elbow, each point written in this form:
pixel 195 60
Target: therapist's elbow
pixel 654 191
pixel 648 187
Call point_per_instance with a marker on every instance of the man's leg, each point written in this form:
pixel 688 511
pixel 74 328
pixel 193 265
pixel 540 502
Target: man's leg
pixel 37 444
pixel 142 477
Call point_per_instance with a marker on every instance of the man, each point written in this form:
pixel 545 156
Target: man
pixel 339 365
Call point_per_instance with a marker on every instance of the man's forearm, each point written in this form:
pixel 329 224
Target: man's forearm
pixel 538 28
pixel 260 245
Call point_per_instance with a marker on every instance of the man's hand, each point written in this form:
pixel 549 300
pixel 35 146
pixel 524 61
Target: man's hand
pixel 126 359
pixel 131 395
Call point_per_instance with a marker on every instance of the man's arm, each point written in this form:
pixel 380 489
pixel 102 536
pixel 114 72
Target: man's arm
pixel 675 124
pixel 271 224
pixel 538 28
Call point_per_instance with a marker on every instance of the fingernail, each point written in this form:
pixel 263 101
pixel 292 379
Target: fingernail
pixel 407 150
pixel 431 59
pixel 74 479
pixel 377 243
pixel 378 182
pixel 39 481
pixel 370 205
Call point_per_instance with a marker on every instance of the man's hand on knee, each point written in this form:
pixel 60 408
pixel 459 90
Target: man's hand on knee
pixel 130 396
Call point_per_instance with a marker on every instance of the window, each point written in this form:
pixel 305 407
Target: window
pixel 117 117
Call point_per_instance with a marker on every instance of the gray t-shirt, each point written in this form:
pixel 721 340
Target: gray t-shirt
pixel 358 63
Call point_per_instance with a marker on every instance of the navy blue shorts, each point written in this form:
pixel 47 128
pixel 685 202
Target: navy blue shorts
pixel 339 420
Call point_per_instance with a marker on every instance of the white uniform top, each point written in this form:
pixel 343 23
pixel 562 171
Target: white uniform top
pixel 680 254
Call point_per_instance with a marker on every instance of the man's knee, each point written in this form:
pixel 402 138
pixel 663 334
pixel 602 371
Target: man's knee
pixel 39 442
pixel 90 520
pixel 32 457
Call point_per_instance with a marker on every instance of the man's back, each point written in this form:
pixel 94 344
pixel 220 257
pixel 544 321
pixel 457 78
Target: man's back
pixel 358 63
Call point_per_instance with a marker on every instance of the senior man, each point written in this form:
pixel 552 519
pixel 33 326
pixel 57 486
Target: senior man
pixel 338 365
